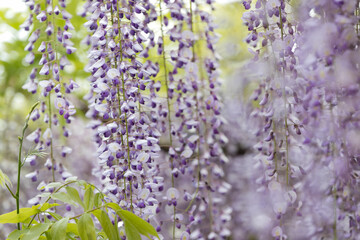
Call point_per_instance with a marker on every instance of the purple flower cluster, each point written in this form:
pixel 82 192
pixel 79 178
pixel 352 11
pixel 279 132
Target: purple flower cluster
pixel 195 138
pixel 135 106
pixel 123 117
pixel 46 44
pixel 304 160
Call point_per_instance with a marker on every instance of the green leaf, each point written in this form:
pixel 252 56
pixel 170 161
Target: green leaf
pixel 114 206
pixel 108 227
pixel 36 231
pixel 83 183
pixel 44 194
pixel 13 217
pixel 48 235
pixel 63 197
pixel 101 235
pixel 140 224
pixel 89 199
pixel 72 228
pixel 58 229
pixel 53 185
pixel 16 234
pixel 131 232
pixel 46 206
pixel 97 199
pixel 86 227
pixel 4 179
pixel 56 216
pixel 71 179
pixel 116 224
pixel 74 194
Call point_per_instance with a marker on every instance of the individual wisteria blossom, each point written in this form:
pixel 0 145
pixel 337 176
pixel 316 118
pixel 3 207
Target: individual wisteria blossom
pixel 47 41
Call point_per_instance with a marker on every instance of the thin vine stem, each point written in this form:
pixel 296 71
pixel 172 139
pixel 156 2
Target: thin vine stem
pixel 125 114
pixel 285 102
pixel 169 112
pixel 197 116
pixel 21 139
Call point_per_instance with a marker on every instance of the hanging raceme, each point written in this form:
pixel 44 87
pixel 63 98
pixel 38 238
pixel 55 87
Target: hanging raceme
pixel 303 151
pixel 48 45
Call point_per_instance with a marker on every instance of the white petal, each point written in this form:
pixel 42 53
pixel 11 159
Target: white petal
pixel 113 73
pixel 114 147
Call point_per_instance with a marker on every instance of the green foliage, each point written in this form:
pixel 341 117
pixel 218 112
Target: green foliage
pixel 17 234
pixel 134 223
pixel 137 224
pixel 25 213
pixel 89 199
pixel 72 228
pixel 63 197
pixel 46 206
pixel 74 195
pixel 86 227
pixel 109 229
pixel 36 231
pixel 61 228
pixel 58 229
pixel 4 179
pixel 131 231
pixel 97 200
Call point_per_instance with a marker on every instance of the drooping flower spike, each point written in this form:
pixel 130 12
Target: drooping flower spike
pixel 49 44
pixel 302 154
pixel 130 113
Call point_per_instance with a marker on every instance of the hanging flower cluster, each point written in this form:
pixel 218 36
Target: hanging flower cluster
pixel 195 137
pixel 125 119
pixel 304 162
pixel 48 45
pixel 134 106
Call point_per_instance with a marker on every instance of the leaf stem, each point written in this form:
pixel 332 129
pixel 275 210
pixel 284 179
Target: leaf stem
pixel 12 194
pixel 89 211
pixel 21 139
